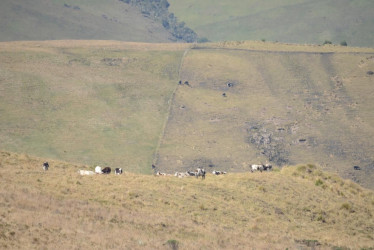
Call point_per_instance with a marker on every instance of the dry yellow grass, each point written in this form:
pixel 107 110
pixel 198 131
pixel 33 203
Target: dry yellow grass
pixel 293 208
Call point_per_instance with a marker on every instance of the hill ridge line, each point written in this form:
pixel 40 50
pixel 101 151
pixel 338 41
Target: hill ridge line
pixel 170 102
pixel 284 51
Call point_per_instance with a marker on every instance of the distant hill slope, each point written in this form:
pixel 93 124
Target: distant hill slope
pixel 95 102
pixel 297 207
pixel 100 20
pixel 120 104
pixel 254 103
pixel 296 21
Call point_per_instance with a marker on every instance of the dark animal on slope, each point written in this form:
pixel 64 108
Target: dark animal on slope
pixel 215 172
pixel 356 168
pixel 191 173
pixel 45 166
pixel 118 171
pixel 268 167
pixel 106 170
pixel 200 172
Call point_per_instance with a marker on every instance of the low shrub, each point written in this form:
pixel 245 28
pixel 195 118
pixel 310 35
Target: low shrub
pixel 319 182
pixel 173 244
pixel 301 168
pixel 262 188
pixel 343 43
pixel 346 206
pixel 327 42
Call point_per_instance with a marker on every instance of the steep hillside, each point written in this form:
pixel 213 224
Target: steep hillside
pixel 297 208
pixel 285 105
pixel 297 21
pixel 120 104
pixel 87 101
pixel 83 19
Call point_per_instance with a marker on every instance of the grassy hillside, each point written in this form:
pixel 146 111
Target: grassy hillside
pixel 119 104
pixel 297 21
pixel 285 106
pixel 89 102
pixel 298 207
pixel 83 19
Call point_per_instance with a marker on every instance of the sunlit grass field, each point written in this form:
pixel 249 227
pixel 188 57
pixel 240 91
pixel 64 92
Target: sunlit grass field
pixel 295 207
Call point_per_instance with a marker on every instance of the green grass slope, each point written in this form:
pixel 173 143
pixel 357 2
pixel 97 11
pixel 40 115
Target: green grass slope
pixel 53 20
pixel 89 102
pixel 296 21
pixel 298 207
pixel 286 106
pixel 119 104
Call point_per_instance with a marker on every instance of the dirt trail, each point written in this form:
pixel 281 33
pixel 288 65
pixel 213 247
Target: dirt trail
pixel 170 102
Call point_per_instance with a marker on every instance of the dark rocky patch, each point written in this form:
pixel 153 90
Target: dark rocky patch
pixel 269 143
pixel 112 61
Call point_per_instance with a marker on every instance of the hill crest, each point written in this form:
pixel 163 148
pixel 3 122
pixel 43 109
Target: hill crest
pixel 299 206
